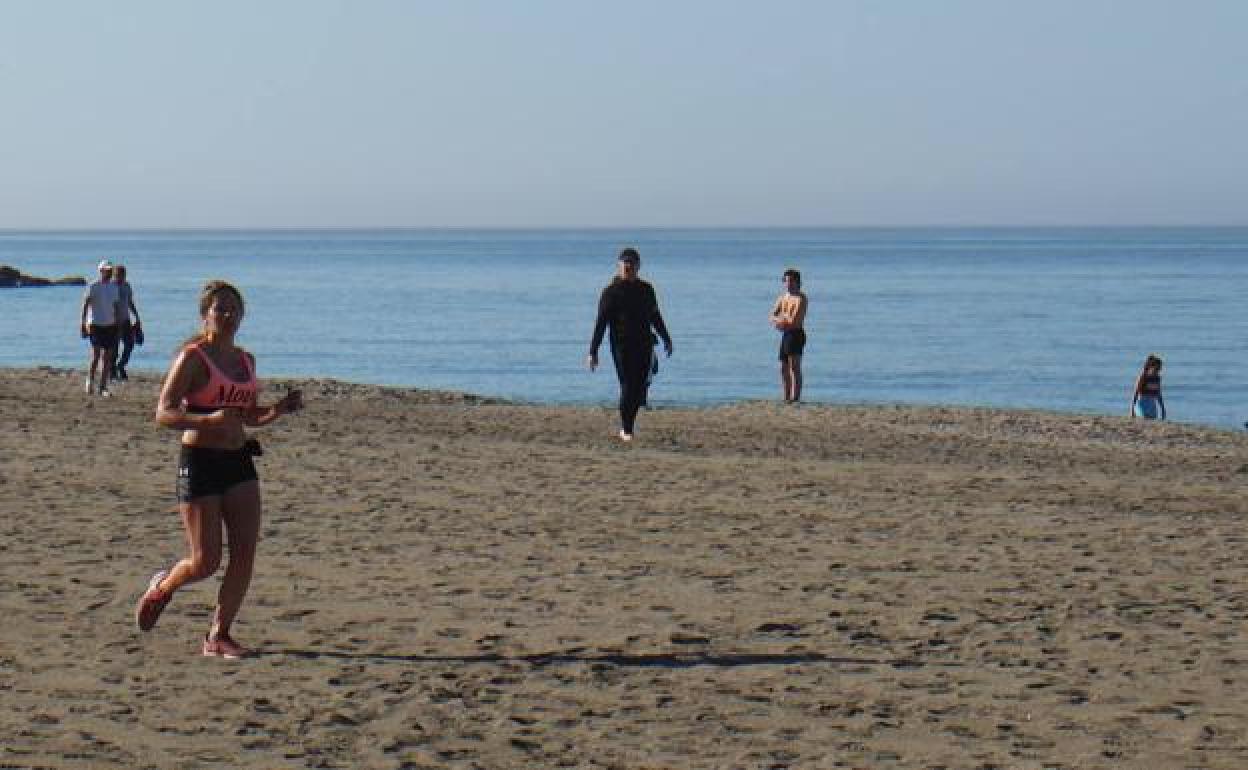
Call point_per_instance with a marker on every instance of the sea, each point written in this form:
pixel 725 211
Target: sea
pixel 1055 319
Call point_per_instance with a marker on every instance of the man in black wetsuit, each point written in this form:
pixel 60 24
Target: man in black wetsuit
pixel 629 306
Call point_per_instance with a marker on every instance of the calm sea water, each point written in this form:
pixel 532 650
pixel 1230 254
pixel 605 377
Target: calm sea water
pixel 1056 319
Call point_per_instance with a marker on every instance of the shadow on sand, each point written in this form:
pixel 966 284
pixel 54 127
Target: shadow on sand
pixel 580 657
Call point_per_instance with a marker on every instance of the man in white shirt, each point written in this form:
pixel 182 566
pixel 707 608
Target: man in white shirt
pixel 101 308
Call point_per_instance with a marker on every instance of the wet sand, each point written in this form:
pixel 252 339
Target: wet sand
pixel 449 582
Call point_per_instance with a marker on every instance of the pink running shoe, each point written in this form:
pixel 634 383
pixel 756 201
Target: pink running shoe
pixel 222 646
pixel 152 603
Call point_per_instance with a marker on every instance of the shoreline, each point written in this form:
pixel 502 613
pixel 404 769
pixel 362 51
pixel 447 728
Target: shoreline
pixel 443 581
pixel 458 396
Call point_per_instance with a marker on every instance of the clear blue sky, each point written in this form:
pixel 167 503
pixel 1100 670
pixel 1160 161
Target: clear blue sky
pixel 288 113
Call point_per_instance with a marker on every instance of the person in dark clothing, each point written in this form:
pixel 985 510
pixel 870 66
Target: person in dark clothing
pixel 629 307
pixel 129 325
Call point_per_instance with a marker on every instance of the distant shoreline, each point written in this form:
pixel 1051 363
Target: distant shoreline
pixel 939 413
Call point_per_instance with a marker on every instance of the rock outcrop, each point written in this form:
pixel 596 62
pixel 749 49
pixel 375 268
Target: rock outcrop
pixel 12 278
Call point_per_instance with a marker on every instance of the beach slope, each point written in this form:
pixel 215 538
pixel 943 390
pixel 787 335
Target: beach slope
pixel 449 582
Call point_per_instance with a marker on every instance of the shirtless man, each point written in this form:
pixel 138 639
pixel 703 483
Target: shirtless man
pixel 788 315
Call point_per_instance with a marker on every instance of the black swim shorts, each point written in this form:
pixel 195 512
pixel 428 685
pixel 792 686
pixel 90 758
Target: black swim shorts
pixel 103 336
pixel 792 343
pixel 206 472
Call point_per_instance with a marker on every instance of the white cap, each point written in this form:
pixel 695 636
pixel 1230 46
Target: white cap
pixel 104 265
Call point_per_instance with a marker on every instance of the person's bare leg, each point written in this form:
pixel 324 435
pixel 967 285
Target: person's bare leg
pixel 201 519
pixel 106 370
pixel 795 364
pixel 241 515
pixel 786 379
pixel 95 363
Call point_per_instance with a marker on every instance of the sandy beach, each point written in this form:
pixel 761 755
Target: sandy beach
pixel 450 582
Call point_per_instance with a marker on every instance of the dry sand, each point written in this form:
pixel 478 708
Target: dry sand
pixel 447 582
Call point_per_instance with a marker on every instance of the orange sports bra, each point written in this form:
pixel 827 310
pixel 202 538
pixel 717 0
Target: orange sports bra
pixel 220 391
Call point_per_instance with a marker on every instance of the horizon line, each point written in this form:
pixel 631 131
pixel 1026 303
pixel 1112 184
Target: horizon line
pixel 601 228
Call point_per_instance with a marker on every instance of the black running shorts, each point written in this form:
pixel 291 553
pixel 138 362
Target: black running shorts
pixel 103 336
pixel 792 343
pixel 206 472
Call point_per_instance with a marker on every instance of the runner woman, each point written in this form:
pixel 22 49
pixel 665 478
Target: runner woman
pixel 210 394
